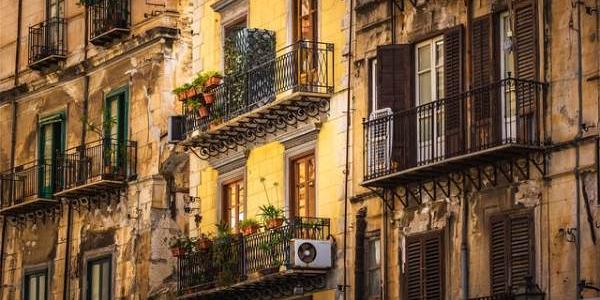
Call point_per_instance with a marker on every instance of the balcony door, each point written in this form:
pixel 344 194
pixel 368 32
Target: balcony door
pixel 430 88
pixel 50 145
pixel 234 206
pixel 54 11
pixel 115 134
pixel 507 70
pixel 306 29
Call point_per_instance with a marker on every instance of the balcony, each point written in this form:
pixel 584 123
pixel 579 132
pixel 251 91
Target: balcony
pixel 487 124
pixel 255 265
pixel 109 21
pixel 98 167
pixel 47 44
pixel 268 97
pixel 27 190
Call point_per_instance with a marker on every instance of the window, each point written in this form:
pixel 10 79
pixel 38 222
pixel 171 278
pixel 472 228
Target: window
pixel 511 250
pixel 425 266
pixel 50 145
pixel 99 279
pixel 373 85
pixel 54 9
pixel 430 87
pixel 233 203
pixel 36 285
pixel 303 186
pixel 374 267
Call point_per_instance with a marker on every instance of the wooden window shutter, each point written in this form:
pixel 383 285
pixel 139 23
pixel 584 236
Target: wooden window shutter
pixel 359 267
pixel 425 266
pixel 511 251
pixel 525 26
pixel 453 87
pixel 484 109
pixel 395 77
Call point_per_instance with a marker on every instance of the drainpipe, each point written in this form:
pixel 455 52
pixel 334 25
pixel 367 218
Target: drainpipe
pixel 464 245
pixel 577 151
pixel 347 162
pixel 13 136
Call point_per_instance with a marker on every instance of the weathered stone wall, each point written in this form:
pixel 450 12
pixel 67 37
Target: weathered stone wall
pixel 553 199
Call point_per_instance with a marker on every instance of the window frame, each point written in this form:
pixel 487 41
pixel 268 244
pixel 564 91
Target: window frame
pixel 293 203
pixel 91 255
pixel 296 17
pixel 53 120
pixel 226 202
pixel 36 271
pixel 101 260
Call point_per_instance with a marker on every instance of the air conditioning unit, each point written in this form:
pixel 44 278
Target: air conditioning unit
pixel 176 129
pixel 379 140
pixel 311 254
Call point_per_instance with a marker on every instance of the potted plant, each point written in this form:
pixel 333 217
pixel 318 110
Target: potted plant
pixel 213 79
pixel 179 245
pixel 186 91
pixel 195 104
pixel 249 226
pixel 272 216
pixel 271 247
pixel 224 258
pixel 204 241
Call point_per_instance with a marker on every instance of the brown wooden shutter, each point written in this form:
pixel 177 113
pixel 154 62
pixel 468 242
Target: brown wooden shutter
pixel 453 87
pixel 424 266
pixel 484 108
pixel 395 77
pixel 526 62
pixel 360 256
pixel 511 251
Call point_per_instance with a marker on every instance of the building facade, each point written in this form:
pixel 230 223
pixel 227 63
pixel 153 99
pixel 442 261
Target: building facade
pixel 88 184
pixel 477 174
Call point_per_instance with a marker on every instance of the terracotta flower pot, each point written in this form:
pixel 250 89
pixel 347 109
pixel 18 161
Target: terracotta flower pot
pixel 250 230
pixel 203 111
pixel 274 223
pixel 209 98
pixel 177 252
pixel 203 244
pixel 212 82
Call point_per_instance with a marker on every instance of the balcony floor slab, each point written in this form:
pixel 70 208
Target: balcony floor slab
pixel 29 206
pixel 91 188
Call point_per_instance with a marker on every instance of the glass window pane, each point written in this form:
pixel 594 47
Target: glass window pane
pixel 439 83
pixel 32 288
pixel 439 53
pixel 42 287
pixel 95 284
pixel 424 88
pixel 105 280
pixel 374 283
pixel 424 58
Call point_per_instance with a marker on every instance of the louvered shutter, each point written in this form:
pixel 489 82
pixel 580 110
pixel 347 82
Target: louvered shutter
pixel 484 105
pixel 424 267
pixel 498 255
pixel 359 268
pixel 395 79
pixel 511 251
pixel 453 87
pixel 526 62
pixel 521 249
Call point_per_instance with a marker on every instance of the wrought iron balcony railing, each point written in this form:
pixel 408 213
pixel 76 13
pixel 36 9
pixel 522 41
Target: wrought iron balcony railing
pixel 228 262
pixel 504 296
pixel 30 185
pixel 109 20
pixel 98 166
pixel 503 114
pixel 47 43
pixel 301 67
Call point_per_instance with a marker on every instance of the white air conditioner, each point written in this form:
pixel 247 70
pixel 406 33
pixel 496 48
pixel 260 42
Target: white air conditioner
pixel 311 254
pixel 379 140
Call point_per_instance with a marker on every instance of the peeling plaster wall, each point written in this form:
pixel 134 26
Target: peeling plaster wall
pixel 552 199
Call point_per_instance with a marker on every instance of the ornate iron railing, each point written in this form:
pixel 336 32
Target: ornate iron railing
pixel 26 182
pixel 228 262
pixel 502 113
pixel 47 39
pixel 106 15
pixel 105 159
pixel 304 67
